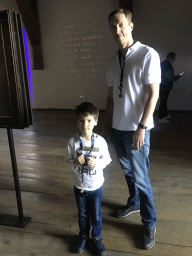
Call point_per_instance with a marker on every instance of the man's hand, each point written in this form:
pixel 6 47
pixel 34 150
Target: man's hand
pixel 138 138
pixel 79 160
pixel 153 94
pixel 90 161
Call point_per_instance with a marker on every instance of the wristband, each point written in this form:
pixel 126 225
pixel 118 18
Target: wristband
pixel 142 126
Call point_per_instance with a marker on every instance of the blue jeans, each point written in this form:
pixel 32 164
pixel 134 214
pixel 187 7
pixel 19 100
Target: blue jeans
pixel 89 211
pixel 135 164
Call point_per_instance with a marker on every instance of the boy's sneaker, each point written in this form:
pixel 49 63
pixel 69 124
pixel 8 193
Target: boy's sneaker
pixel 81 244
pixel 100 246
pixel 149 238
pixel 127 210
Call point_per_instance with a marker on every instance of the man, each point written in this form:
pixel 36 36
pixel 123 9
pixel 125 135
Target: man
pixel 133 77
pixel 167 79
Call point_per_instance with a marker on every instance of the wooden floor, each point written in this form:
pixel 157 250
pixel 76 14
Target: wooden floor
pixel 47 191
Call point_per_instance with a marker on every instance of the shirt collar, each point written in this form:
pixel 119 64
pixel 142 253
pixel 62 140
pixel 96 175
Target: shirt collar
pixel 131 48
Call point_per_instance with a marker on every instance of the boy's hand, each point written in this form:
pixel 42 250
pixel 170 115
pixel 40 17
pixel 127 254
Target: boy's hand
pixel 90 161
pixel 79 160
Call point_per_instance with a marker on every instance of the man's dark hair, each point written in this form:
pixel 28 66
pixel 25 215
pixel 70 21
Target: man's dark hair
pixel 171 55
pixel 87 108
pixel 127 13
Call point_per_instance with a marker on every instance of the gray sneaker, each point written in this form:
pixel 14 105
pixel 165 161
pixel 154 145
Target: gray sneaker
pixel 149 237
pixel 164 121
pixel 127 210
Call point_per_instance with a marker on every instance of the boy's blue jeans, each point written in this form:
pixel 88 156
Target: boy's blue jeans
pixel 89 211
pixel 135 164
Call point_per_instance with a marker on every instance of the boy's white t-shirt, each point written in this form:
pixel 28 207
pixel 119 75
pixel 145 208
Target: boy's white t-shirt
pixel 92 177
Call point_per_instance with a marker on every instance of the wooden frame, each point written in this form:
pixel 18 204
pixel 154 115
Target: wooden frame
pixel 15 107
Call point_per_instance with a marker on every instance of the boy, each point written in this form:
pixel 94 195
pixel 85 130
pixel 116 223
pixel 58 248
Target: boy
pixel 89 154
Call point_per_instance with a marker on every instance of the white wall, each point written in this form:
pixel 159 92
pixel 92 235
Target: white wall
pixel 76 45
pixel 167 26
pixel 8 5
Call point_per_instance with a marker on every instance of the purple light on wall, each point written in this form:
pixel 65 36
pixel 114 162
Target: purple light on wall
pixel 28 64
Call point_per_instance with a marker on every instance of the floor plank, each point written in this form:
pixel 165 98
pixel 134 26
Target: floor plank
pixel 48 198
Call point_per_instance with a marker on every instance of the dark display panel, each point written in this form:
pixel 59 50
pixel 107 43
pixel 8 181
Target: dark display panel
pixel 15 106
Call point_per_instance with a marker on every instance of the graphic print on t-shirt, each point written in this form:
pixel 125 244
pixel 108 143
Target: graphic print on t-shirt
pixel 85 168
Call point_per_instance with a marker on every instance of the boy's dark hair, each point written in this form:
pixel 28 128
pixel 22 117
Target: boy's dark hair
pixel 87 108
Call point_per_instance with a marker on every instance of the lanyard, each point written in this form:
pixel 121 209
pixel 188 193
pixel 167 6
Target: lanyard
pixel 92 144
pixel 89 153
pixel 121 77
pixel 122 67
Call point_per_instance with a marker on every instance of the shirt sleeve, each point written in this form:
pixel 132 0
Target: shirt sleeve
pixel 110 81
pixel 69 156
pixel 152 69
pixel 105 158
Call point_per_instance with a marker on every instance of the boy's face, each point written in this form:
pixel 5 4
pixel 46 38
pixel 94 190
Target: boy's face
pixel 86 124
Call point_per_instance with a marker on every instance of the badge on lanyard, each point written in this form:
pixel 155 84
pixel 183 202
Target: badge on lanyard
pixel 87 155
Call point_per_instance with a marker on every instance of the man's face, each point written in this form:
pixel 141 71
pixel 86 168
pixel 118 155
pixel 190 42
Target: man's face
pixel 121 29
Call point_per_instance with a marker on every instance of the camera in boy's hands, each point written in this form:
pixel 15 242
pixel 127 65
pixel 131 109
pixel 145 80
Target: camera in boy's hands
pixel 79 159
pixel 90 162
pixel 84 160
pixel 86 164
